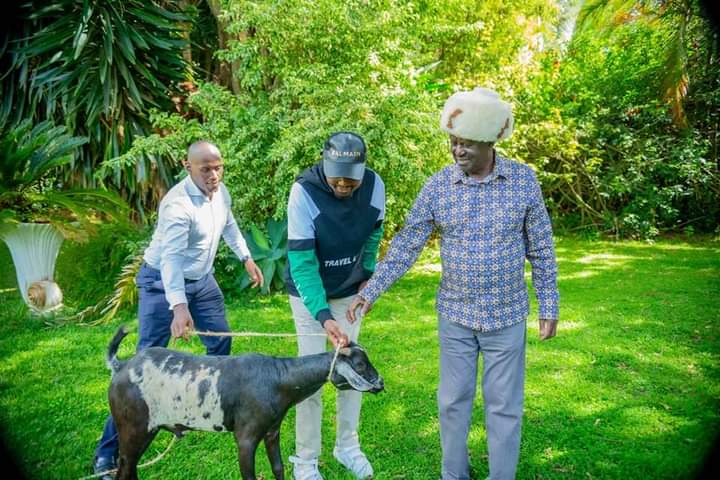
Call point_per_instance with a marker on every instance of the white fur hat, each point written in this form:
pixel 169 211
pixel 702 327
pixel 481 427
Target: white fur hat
pixel 478 115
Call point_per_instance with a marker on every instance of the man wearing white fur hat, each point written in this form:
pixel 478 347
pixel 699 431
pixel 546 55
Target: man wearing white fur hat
pixel 491 217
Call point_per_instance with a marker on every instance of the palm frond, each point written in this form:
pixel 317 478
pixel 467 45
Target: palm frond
pixel 28 152
pixel 125 293
pixel 602 17
pixel 123 296
pixel 98 67
pixel 675 77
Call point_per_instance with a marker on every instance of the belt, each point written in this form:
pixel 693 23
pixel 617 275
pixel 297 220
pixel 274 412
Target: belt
pixel 187 280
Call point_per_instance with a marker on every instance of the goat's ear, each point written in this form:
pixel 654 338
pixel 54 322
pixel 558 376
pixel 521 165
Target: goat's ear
pixel 345 351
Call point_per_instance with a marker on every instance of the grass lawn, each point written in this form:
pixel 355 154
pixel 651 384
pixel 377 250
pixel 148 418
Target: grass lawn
pixel 630 388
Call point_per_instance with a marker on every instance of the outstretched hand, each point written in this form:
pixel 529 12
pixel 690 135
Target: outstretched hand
pixel 360 305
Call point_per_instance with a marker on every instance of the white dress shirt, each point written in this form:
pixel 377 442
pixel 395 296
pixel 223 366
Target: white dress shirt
pixel 187 236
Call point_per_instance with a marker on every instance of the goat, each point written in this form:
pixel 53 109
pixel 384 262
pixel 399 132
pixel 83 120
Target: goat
pixel 246 394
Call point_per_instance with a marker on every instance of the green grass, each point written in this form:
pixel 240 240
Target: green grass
pixel 630 388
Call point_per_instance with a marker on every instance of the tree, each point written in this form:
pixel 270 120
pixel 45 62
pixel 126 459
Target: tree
pixel 98 67
pixel 674 18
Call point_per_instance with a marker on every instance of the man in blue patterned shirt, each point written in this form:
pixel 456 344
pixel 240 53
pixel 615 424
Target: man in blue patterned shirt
pixel 491 216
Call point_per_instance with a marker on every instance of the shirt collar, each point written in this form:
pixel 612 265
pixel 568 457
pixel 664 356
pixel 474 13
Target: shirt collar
pixel 193 189
pixel 500 169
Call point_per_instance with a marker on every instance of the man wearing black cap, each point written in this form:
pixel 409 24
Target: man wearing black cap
pixel 335 215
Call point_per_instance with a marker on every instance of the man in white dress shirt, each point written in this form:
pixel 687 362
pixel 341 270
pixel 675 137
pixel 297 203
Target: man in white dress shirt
pixel 176 287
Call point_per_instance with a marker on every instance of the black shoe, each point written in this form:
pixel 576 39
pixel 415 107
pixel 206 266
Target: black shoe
pixel 103 464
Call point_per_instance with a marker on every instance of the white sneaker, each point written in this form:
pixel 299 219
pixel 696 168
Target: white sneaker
pixel 354 460
pixel 305 469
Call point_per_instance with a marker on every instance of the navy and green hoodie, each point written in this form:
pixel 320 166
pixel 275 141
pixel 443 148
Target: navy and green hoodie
pixel 332 243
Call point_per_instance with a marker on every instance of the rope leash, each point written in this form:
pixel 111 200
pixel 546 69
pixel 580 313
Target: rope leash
pixel 260 334
pixel 332 364
pixel 353 327
pixel 146 464
pixel 254 334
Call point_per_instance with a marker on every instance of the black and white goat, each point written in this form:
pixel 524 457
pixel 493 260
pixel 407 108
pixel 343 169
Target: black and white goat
pixel 248 395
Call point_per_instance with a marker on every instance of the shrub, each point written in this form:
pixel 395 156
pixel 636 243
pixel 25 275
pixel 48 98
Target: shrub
pixel 304 74
pixel 268 246
pixel 605 145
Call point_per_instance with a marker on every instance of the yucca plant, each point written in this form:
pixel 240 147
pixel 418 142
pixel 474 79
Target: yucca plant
pixel 36 214
pixel 269 250
pixel 100 66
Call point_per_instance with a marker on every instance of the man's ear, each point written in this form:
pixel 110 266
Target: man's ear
pixel 186 164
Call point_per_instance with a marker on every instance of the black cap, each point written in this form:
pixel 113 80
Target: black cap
pixel 344 156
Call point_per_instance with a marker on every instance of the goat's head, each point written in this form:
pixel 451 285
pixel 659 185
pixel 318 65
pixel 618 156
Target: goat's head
pixel 353 370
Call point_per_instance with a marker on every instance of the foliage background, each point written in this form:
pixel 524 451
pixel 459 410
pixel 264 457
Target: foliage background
pixel 616 101
pixel 616 153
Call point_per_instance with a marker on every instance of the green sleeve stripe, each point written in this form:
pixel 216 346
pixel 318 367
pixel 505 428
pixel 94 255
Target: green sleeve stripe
pixel 371 249
pixel 305 272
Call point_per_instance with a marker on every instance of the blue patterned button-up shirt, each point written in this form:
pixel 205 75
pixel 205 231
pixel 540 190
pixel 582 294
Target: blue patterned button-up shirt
pixel 487 230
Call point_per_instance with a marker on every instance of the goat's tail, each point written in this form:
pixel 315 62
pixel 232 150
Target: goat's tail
pixel 112 361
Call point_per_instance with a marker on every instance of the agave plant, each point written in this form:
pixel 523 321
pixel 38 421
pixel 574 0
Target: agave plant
pixel 269 252
pixel 35 215
pixel 99 66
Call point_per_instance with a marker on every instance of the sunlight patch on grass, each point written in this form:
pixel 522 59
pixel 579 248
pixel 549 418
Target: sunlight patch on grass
pixel 578 275
pixel 95 387
pixel 564 324
pixel 428 268
pixel 608 259
pixel 647 421
pixel 478 436
pixel 396 414
pixel 432 428
pixel 551 454
pixel 22 358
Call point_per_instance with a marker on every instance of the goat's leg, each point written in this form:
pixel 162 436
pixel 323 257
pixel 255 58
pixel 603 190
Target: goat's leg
pixel 247 443
pixel 133 443
pixel 272 446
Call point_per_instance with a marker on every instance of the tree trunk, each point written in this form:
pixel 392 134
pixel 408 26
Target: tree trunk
pixel 186 28
pixel 227 72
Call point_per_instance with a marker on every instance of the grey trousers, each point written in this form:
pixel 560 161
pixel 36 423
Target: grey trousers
pixel 308 413
pixel 503 381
